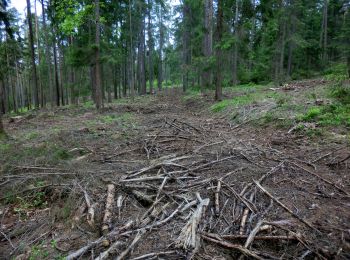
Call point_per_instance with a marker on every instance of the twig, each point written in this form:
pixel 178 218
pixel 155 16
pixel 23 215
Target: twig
pixel 150 255
pixel 285 207
pixel 321 178
pixel 217 202
pixel 233 246
pixel 131 246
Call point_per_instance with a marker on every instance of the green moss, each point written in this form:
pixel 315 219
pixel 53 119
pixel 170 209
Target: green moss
pixel 220 106
pixel 312 113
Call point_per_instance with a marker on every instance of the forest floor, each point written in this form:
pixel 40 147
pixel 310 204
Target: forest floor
pixel 263 174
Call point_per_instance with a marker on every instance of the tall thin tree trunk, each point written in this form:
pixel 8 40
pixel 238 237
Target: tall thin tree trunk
pixel 219 28
pixel 208 42
pixel 57 84
pixel 98 95
pixel 324 32
pixel 291 43
pixel 41 90
pixel 32 53
pixel 235 49
pixel 131 61
pixel 186 45
pixel 48 57
pixel 150 48
pixel 161 43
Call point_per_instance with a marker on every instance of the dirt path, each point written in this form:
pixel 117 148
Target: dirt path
pixel 187 183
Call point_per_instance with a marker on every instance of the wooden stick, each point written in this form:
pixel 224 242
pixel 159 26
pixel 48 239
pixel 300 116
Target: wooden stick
pixel 240 248
pixel 150 255
pixel 107 218
pixel 217 202
pixel 126 252
pixel 237 237
pixel 245 216
pixel 285 207
pixel 320 177
pixel 253 234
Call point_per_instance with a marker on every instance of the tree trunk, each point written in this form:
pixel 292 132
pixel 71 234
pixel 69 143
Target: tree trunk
pixel 32 53
pixel 219 28
pixel 186 45
pixel 98 95
pixel 150 48
pixel 2 130
pixel 41 90
pixel 235 49
pixel 48 57
pixel 57 83
pixel 131 59
pixel 208 42
pixel 161 43
pixel 324 32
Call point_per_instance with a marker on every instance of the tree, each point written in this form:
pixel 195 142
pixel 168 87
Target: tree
pixel 32 53
pixel 208 42
pixel 219 31
pixel 98 95
pixel 186 58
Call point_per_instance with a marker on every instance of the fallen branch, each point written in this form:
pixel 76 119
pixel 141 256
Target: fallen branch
pixel 107 218
pixel 285 207
pixel 321 178
pixel 239 248
pixel 126 252
pixel 188 237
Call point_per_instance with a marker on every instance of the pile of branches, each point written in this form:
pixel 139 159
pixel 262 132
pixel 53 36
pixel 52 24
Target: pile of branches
pixel 198 204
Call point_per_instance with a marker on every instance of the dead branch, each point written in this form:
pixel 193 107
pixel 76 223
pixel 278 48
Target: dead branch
pixel 188 237
pixel 285 207
pixel 151 255
pixel 237 247
pixel 126 252
pixel 320 177
pixel 107 218
pixel 217 202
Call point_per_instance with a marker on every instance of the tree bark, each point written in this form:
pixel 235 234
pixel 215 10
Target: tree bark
pixel 186 45
pixel 208 42
pixel 32 53
pixel 48 57
pixel 41 90
pixel 219 29
pixel 161 43
pixel 150 48
pixel 324 31
pixel 131 59
pixel 98 95
pixel 235 49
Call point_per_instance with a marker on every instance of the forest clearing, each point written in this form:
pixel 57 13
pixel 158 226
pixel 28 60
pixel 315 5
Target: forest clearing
pixel 187 177
pixel 174 129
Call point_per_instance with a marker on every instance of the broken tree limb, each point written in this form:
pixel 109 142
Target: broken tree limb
pixel 152 255
pixel 245 216
pixel 237 247
pixel 285 207
pixel 217 201
pixel 107 218
pixel 188 237
pixel 253 234
pixel 320 177
pixel 126 252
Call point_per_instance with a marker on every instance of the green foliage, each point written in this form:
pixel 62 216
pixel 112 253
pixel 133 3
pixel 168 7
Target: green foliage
pixel 220 106
pixel 341 93
pixel 330 115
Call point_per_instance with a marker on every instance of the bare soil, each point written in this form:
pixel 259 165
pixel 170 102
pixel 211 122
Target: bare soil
pixel 281 195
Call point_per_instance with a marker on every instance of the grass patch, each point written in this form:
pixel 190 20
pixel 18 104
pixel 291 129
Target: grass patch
pixel 329 115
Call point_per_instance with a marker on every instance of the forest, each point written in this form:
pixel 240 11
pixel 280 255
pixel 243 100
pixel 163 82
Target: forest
pixel 174 129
